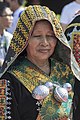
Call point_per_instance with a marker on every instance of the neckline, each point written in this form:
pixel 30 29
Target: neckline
pixel 39 68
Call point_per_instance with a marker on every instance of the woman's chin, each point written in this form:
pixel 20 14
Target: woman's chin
pixel 43 57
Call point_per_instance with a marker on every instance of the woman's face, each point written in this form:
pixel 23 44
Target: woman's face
pixel 42 42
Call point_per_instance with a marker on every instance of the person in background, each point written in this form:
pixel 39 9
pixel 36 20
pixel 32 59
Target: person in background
pixel 33 2
pixel 37 71
pixel 68 13
pixel 5 37
pixel 73 36
pixel 17 8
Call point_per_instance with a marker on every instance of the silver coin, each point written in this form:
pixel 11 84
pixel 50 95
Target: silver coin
pixel 50 86
pixel 67 86
pixel 40 92
pixel 61 94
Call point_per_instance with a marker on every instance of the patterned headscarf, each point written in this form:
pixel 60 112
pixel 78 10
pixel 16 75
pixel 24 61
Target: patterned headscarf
pixel 73 36
pixel 24 27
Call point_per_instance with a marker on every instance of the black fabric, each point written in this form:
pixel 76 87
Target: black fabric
pixel 70 29
pixel 76 20
pixel 23 106
pixel 76 101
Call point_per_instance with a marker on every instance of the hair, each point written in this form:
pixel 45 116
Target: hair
pixel 3 6
pixel 20 2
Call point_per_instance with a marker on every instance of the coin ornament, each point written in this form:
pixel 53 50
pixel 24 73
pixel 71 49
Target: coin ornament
pixel 50 86
pixel 61 94
pixel 67 86
pixel 40 92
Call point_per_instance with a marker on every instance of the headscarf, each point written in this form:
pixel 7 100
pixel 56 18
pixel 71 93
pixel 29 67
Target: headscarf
pixel 73 36
pixel 25 25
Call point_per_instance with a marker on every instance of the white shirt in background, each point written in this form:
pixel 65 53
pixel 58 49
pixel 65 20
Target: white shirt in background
pixel 5 40
pixel 68 12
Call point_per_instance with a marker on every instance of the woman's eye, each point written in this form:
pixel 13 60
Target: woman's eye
pixel 38 37
pixel 51 36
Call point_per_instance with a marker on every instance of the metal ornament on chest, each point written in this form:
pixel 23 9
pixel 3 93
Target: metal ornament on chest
pixel 60 93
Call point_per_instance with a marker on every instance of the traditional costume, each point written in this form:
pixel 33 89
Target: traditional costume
pixel 20 77
pixel 73 36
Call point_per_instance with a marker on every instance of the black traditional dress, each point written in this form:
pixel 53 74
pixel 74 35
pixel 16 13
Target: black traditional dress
pixel 19 76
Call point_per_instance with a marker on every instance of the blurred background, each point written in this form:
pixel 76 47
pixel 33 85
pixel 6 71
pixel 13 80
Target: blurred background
pixel 55 5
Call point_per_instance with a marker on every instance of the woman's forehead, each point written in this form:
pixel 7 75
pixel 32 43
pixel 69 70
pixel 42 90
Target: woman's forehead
pixel 42 23
pixel 42 26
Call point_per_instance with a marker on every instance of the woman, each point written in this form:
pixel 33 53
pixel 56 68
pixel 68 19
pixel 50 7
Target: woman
pixel 39 85
pixel 73 36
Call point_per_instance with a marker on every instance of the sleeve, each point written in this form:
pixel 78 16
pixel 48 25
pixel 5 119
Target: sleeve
pixel 76 100
pixel 22 106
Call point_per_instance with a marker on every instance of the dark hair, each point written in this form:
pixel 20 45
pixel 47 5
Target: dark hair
pixel 3 5
pixel 20 2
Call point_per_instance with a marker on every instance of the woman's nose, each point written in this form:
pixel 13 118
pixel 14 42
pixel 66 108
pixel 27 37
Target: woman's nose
pixel 45 40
